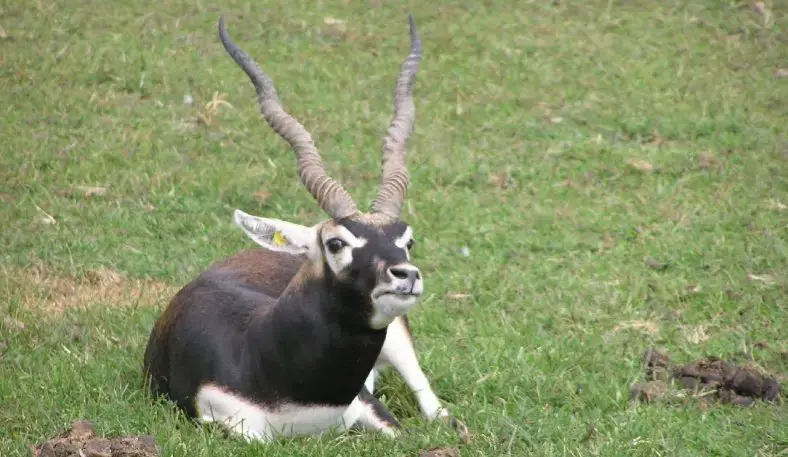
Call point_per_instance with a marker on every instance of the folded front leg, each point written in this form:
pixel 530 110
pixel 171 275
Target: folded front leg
pixel 375 416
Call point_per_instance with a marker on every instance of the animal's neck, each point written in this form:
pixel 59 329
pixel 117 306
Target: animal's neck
pixel 318 293
pixel 320 329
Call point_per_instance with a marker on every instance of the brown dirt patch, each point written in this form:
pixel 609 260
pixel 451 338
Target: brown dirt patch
pixel 81 441
pixel 40 289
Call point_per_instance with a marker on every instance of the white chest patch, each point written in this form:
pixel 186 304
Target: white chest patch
pixel 259 423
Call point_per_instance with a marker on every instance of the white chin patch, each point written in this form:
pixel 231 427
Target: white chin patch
pixel 390 306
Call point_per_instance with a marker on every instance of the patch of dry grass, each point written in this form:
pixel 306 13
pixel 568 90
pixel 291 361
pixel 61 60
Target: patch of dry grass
pixel 39 289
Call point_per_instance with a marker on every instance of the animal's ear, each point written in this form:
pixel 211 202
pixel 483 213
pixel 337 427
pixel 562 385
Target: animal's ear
pixel 277 235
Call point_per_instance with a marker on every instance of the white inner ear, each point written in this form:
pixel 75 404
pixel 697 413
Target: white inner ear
pixel 344 257
pixel 278 235
pixel 403 240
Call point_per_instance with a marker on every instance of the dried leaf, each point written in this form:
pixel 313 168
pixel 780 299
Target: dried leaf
pixel 775 204
pixel 649 327
pixel 103 277
pixel 567 183
pixel 12 324
pixel 44 217
pixel 338 24
pixel 328 20
pixel 764 11
pixel 457 296
pixel 500 180
pixel 210 112
pixel 766 279
pixel 656 264
pixel 590 433
pixel 656 139
pixel 695 334
pixel 3 33
pixel 607 241
pixel 89 191
pixel 706 160
pixel 511 52
pixel 641 165
pixel 781 72
pixel 262 195
pixel 216 101
pixel 548 114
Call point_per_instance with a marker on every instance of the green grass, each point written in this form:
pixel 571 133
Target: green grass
pixel 527 119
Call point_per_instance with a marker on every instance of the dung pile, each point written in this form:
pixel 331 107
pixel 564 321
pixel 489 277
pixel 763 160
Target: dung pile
pixel 710 378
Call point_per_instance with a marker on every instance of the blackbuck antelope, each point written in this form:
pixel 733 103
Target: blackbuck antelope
pixel 289 339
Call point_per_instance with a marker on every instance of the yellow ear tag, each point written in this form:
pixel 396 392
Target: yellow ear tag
pixel 279 239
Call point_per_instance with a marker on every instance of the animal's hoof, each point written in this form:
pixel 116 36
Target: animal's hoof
pixel 460 427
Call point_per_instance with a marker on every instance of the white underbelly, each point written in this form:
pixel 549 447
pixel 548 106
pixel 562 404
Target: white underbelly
pixel 258 422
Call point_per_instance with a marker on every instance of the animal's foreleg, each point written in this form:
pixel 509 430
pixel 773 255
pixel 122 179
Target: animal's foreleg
pixel 375 416
pixel 398 351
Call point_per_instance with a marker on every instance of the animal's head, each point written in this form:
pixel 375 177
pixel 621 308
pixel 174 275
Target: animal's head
pixel 366 251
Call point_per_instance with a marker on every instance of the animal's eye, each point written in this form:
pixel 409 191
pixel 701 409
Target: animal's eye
pixel 410 244
pixel 334 245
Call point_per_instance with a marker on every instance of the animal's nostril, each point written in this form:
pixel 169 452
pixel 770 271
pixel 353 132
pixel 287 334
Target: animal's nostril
pixel 399 273
pixel 409 274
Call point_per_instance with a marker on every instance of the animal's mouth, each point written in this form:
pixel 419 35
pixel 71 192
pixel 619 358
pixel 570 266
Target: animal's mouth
pixel 388 303
pixel 396 294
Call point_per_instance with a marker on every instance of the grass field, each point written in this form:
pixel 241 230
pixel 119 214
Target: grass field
pixel 558 146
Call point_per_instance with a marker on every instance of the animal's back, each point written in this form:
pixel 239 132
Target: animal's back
pixel 268 272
